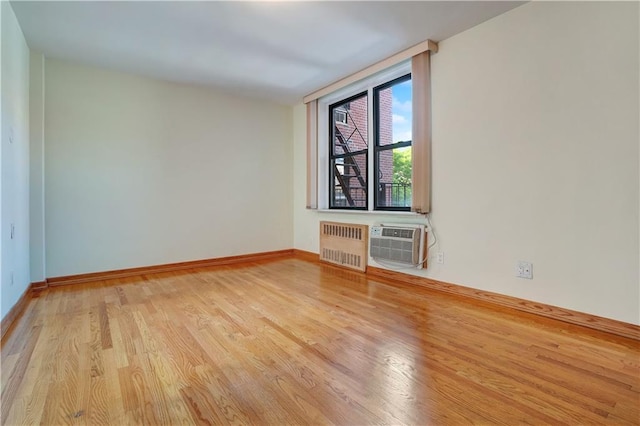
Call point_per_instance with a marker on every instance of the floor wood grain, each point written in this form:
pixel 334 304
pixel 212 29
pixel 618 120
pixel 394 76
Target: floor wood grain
pixel 291 342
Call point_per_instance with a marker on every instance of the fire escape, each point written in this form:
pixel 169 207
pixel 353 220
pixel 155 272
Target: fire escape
pixel 349 180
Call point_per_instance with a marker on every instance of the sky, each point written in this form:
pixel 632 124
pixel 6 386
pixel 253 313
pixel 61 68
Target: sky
pixel 401 110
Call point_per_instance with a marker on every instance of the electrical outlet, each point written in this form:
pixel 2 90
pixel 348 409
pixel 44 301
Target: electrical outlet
pixel 524 270
pixel 11 134
pixel 11 280
pixel 13 231
pixel 440 257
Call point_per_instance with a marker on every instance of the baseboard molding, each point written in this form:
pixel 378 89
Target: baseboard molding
pixel 594 322
pixel 612 326
pixel 567 315
pixel 38 287
pixel 12 316
pixel 306 255
pixel 169 267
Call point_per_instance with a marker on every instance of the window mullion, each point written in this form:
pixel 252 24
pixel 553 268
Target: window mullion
pixel 371 153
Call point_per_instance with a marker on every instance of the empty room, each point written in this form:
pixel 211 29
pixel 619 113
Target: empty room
pixel 320 212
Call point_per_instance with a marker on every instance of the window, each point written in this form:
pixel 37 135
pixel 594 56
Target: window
pixel 332 155
pixel 340 116
pixel 369 134
pixel 392 164
pixel 349 149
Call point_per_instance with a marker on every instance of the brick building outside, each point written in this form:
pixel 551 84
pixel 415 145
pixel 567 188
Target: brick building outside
pixel 350 120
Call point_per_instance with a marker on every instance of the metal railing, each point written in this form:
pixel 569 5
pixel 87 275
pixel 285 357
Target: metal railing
pixel 394 194
pixel 357 197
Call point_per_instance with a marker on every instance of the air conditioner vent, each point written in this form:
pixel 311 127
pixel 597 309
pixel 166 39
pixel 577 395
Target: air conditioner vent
pixel 398 244
pixel 398 233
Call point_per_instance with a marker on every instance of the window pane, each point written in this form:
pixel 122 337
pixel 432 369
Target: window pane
pixel 349 125
pixel 349 176
pixel 392 103
pixel 394 177
pixel 394 113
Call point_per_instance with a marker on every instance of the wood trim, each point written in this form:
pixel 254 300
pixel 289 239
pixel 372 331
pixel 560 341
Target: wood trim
pixel 608 325
pixel 567 315
pixel 15 313
pixel 169 267
pixel 38 287
pixel 306 255
pixel 426 45
pixel 619 328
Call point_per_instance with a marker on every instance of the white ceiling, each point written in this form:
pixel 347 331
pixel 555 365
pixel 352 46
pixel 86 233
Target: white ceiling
pixel 273 50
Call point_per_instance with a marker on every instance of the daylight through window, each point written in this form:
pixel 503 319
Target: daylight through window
pixel 379 117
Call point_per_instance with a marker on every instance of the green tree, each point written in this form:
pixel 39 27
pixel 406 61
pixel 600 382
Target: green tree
pixel 401 193
pixel 402 166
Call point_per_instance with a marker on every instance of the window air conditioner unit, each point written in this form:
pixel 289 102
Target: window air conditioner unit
pixel 401 244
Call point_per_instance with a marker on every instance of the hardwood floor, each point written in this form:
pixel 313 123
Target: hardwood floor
pixel 291 342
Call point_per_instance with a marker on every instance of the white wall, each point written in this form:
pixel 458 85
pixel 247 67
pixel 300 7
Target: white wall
pixel 535 157
pixel 144 172
pixel 14 160
pixel 36 178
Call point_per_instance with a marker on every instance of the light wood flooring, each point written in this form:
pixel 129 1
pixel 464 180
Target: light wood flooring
pixel 292 342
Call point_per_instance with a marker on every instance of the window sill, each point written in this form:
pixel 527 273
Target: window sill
pixel 371 212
